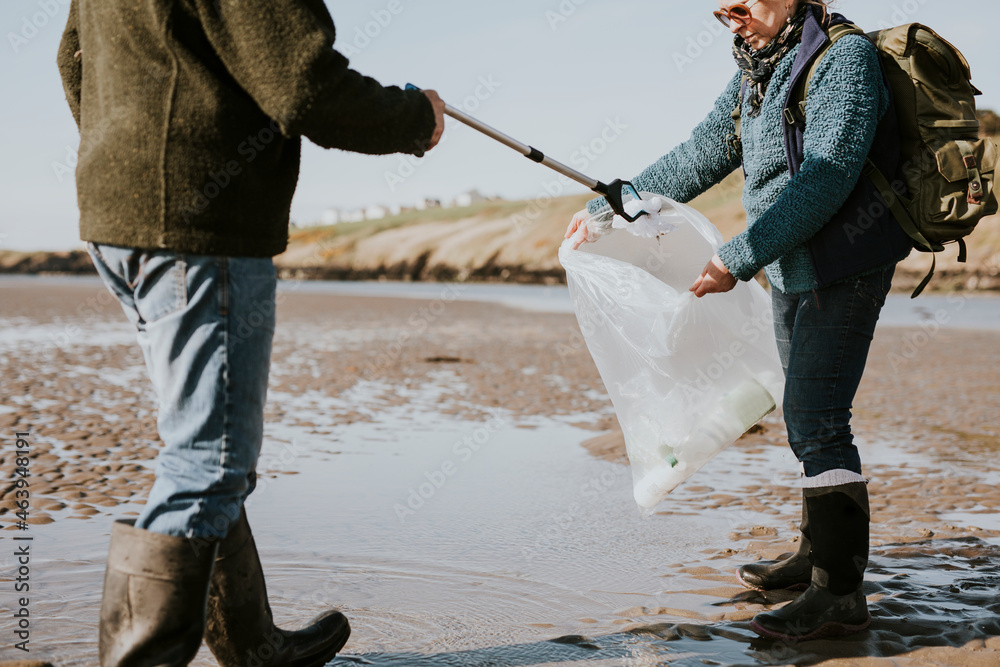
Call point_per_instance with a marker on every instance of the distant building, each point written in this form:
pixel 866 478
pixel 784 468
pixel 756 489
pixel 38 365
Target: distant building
pixel 331 216
pixel 426 203
pixel 469 198
pixel 335 216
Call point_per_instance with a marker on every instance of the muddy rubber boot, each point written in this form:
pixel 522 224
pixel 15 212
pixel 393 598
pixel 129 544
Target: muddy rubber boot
pixel 834 603
pixel 240 629
pixel 153 607
pixel 793 573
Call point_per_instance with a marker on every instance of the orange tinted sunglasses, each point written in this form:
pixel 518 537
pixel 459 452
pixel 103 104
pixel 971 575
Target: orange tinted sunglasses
pixel 738 14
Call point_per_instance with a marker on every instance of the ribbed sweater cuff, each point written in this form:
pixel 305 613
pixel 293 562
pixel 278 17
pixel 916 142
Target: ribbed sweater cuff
pixel 597 205
pixel 736 256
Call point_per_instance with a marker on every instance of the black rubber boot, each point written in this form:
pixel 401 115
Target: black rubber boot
pixel 793 573
pixel 240 629
pixel 834 603
pixel 153 608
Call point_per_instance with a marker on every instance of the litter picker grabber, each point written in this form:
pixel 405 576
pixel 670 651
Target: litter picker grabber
pixel 617 192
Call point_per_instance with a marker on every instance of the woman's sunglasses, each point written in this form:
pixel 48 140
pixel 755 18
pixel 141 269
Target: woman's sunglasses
pixel 738 14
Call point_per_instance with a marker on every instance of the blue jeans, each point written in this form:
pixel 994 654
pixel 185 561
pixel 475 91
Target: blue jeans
pixel 205 326
pixel 823 342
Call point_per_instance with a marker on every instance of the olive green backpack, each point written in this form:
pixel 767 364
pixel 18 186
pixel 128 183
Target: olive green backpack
pixel 948 169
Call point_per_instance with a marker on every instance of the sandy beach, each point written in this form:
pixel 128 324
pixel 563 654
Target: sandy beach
pixel 531 552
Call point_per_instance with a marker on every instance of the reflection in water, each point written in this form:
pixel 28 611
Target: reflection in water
pixel 449 540
pixel 453 584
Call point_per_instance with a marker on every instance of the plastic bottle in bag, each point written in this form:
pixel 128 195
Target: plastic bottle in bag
pixel 687 376
pixel 735 413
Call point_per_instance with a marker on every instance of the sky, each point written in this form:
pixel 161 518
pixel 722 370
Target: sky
pixel 607 86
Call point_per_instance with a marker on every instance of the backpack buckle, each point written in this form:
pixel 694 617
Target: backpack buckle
pixel 789 116
pixel 970 161
pixel 975 193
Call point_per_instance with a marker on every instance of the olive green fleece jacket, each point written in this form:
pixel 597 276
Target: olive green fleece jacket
pixel 191 113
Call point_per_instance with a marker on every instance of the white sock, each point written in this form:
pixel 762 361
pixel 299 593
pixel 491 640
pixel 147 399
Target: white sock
pixel 832 478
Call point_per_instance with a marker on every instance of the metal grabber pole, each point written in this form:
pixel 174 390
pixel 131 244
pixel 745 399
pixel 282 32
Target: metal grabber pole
pixel 614 192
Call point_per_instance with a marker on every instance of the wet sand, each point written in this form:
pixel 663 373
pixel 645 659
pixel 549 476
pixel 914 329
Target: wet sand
pixel 934 583
pixel 925 419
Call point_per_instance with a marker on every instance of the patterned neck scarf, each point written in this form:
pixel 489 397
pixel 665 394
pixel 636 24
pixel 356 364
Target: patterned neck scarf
pixel 759 65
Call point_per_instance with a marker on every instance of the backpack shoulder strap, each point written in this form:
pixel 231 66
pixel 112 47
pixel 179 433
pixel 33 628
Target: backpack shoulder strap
pixel 796 110
pixel 734 141
pixel 738 111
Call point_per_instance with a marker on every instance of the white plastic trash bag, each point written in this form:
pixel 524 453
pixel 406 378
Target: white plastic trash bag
pixel 687 376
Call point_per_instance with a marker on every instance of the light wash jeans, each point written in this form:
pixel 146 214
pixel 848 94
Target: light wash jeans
pixel 823 342
pixel 205 326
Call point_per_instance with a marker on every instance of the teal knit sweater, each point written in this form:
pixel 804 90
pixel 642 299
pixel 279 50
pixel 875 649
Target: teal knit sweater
pixel 846 101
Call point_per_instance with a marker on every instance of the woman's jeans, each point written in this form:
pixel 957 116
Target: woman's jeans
pixel 205 326
pixel 823 342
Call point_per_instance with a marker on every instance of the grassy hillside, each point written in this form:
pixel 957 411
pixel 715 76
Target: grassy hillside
pixel 518 241
pixel 512 241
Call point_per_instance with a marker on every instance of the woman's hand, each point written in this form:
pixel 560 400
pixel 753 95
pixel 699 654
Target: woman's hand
pixel 579 220
pixel 714 279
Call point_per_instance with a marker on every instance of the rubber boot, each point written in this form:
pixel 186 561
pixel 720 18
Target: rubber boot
pixel 793 573
pixel 834 603
pixel 240 629
pixel 155 589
